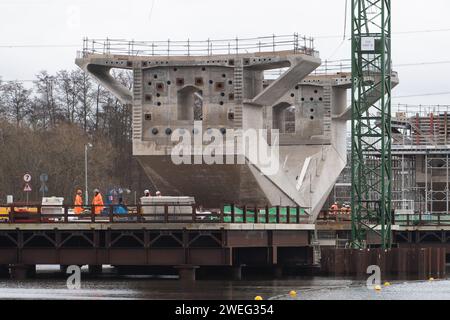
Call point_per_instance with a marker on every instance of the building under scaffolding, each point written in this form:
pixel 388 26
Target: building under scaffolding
pixel 420 164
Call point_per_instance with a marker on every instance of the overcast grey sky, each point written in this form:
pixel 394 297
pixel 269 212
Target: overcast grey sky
pixel 66 22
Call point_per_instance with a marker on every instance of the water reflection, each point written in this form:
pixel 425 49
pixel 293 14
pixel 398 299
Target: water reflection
pixel 50 284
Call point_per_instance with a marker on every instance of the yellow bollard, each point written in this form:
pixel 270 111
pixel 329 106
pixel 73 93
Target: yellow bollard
pixel 258 298
pixel 377 288
pixel 431 279
pixel 293 294
pixel 387 284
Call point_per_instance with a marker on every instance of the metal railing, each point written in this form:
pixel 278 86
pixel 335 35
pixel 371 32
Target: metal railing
pixel 161 214
pixel 439 219
pixel 334 66
pixel 328 67
pixel 435 219
pixel 273 43
pixel 411 111
pixel 335 216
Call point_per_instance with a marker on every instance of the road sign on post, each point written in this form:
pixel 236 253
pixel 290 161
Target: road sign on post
pixel 27 188
pixel 43 178
pixel 27 178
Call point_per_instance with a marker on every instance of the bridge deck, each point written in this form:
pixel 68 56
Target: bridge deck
pixel 157 226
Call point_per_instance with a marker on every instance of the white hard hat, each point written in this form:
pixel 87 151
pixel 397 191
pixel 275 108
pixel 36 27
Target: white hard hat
pixel 96 190
pixel 147 191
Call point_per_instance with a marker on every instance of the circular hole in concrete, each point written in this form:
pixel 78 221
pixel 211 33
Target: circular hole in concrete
pixel 292 95
pixel 155 131
pixel 168 131
pixel 312 99
pixel 223 94
pixel 211 82
pixel 312 118
pixel 169 83
pixel 230 82
pixel 221 103
pixel 155 76
pixel 159 104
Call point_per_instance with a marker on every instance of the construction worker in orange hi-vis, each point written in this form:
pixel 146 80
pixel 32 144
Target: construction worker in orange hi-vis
pixel 78 202
pixel 334 208
pixel 98 202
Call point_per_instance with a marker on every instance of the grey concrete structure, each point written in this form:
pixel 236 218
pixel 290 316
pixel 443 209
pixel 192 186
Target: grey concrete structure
pixel 230 92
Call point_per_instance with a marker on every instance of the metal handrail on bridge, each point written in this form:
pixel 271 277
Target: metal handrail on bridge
pixel 418 219
pixel 273 43
pixel 162 214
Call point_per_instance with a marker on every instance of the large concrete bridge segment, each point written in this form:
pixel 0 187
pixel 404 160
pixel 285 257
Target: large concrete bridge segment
pixel 373 95
pixel 230 92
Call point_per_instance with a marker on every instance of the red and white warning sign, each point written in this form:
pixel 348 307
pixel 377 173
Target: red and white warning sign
pixel 27 188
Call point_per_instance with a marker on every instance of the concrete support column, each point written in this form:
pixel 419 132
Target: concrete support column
pixel 95 269
pixel 21 271
pixel 278 271
pixel 187 273
pixel 31 271
pixel 236 273
pixel 4 271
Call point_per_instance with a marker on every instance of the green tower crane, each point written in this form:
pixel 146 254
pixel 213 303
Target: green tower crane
pixel 371 122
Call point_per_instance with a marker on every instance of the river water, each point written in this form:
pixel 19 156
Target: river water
pixel 50 285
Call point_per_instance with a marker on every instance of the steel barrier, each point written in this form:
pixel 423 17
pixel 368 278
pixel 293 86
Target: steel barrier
pixel 163 214
pixel 273 43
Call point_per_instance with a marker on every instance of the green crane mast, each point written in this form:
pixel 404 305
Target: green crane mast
pixel 371 122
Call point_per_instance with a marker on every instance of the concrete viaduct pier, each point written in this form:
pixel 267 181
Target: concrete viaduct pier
pixel 231 86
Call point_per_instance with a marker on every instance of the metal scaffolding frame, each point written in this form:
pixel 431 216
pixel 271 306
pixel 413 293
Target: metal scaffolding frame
pixel 371 122
pixel 437 192
pixel 420 166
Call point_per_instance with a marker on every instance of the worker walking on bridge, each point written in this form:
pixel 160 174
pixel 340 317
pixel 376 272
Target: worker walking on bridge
pixel 98 202
pixel 78 202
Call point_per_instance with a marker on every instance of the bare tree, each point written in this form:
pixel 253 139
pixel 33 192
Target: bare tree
pixel 85 94
pixel 44 130
pixel 66 87
pixel 16 101
pixel 45 89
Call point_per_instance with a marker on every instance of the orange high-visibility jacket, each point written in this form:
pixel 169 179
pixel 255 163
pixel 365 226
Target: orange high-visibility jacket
pixel 98 201
pixel 78 202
